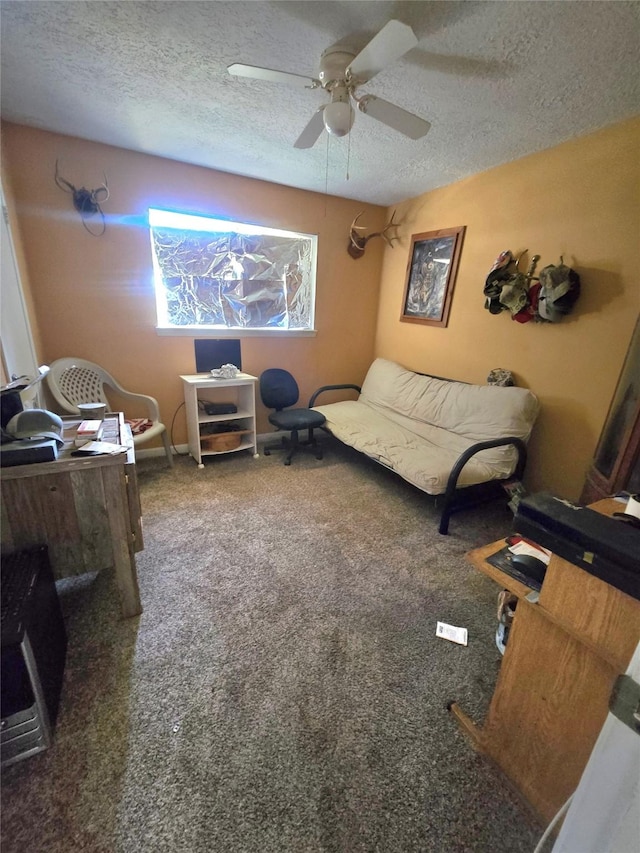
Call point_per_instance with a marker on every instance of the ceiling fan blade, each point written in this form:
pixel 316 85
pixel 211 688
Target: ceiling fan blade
pixel 392 42
pixel 257 73
pixel 394 116
pixel 312 131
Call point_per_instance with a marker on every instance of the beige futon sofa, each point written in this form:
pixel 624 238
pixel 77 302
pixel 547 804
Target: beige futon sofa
pixel 441 435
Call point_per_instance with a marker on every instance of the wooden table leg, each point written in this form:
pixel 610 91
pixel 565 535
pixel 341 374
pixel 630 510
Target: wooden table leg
pixel 465 722
pixel 124 561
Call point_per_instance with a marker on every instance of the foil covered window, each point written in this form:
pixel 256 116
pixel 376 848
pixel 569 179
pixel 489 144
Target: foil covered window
pixel 229 275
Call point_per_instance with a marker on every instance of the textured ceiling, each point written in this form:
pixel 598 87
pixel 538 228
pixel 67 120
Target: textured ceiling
pixel 497 80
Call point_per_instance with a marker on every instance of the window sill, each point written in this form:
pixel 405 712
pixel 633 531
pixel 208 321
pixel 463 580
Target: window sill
pixel 215 332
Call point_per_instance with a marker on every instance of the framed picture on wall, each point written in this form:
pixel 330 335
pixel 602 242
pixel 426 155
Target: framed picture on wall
pixel 431 276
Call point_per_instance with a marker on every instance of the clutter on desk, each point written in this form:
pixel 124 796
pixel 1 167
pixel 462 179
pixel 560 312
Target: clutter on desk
pixel 546 298
pixel 631 513
pixel 31 435
pixel 599 544
pixel 99 448
pixel 93 411
pixel 90 430
pixel 26 451
pixel 504 560
pixel 633 506
pixel 36 424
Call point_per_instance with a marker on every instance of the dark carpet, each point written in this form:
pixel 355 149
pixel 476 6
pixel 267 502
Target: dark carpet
pixel 284 690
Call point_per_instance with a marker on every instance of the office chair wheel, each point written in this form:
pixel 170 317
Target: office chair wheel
pixel 266 452
pixel 287 462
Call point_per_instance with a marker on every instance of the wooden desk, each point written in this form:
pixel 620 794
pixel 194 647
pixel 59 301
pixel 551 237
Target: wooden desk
pixel 87 511
pixel 560 664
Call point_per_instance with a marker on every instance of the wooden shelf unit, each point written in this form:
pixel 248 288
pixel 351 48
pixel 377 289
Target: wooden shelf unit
pixel 240 391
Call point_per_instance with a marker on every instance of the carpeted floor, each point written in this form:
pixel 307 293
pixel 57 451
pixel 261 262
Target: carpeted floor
pixel 284 690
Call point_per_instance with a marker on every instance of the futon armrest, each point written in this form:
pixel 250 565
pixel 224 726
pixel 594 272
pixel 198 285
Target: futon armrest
pixel 462 460
pixel 317 393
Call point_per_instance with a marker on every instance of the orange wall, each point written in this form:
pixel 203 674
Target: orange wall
pixel 93 296
pixel 579 200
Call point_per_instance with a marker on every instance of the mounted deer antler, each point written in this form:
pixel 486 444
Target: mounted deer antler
pixel 358 242
pixel 86 202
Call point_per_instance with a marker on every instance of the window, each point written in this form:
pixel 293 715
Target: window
pixel 213 275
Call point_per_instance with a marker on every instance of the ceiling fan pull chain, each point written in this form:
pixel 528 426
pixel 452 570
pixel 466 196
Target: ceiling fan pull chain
pixel 326 177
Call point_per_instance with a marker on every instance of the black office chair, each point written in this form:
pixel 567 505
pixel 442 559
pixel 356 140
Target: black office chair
pixel 279 390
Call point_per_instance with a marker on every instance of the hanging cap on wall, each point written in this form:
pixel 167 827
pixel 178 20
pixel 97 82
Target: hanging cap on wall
pixel 559 291
pixel 498 274
pixel 514 295
pixel 526 314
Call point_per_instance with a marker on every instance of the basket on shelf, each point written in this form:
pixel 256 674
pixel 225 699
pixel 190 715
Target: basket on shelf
pixel 222 441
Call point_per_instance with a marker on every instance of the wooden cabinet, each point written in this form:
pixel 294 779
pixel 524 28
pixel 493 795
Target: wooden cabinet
pixel 560 665
pixel 86 510
pixel 616 465
pixel 199 390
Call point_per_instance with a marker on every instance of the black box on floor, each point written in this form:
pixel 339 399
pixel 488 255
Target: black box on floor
pixel 602 546
pixel 34 648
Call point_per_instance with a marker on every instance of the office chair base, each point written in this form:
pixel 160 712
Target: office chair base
pixel 293 444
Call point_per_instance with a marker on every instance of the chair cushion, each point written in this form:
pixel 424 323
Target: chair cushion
pixel 297 419
pixel 472 412
pixel 424 458
pixel 420 425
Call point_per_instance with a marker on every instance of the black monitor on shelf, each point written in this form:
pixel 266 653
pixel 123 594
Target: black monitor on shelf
pixel 212 354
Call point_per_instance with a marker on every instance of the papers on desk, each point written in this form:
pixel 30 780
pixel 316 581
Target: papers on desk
pixel 99 448
pixel 88 431
pixel 518 545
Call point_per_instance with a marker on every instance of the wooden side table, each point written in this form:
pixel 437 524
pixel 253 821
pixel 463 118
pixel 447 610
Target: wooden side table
pixel 560 664
pixel 86 510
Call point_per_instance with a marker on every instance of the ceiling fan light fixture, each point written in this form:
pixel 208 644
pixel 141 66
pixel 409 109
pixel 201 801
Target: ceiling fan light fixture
pixel 340 76
pixel 338 118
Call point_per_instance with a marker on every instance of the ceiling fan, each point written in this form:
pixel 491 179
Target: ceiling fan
pixel 341 74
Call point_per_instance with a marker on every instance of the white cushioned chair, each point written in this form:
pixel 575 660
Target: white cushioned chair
pixel 74 380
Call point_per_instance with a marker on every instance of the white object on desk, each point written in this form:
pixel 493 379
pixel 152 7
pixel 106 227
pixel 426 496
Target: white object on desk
pixel 227 371
pixel 633 506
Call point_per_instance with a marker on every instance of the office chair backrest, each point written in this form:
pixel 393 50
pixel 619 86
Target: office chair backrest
pixel 278 389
